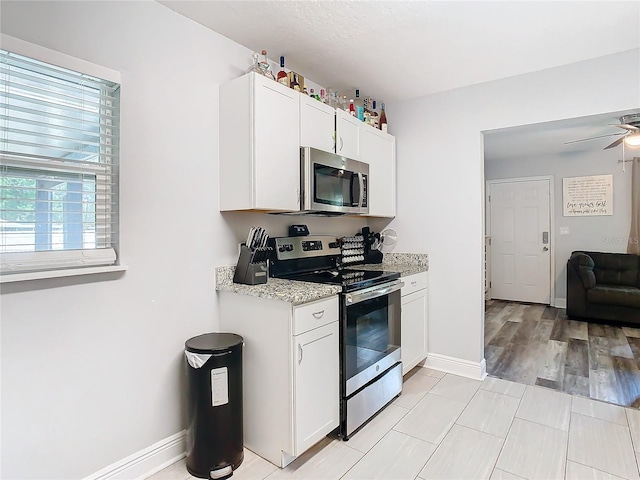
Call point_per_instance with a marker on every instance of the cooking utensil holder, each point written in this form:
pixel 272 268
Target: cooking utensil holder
pixel 247 272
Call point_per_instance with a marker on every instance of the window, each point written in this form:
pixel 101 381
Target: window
pixel 58 167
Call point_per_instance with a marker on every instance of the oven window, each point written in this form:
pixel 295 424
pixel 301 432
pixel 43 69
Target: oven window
pixel 373 332
pixel 335 187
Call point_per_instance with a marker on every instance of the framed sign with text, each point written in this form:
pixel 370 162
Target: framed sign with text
pixel 587 196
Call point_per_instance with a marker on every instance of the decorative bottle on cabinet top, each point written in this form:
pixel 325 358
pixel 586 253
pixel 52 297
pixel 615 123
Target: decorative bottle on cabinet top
pixel 383 119
pixel 266 68
pixel 282 75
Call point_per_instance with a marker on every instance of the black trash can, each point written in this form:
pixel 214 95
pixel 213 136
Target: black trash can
pixel 214 432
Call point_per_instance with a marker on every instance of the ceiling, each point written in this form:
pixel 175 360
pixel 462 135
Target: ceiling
pixel 397 50
pixel 549 138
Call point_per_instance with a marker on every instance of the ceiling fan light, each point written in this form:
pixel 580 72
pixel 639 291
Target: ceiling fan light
pixel 632 140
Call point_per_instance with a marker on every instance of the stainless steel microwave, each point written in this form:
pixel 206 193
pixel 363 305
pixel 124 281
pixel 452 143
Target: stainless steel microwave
pixel 332 184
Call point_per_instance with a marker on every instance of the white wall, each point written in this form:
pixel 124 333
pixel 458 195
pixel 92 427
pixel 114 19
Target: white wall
pixel 601 233
pixel 92 367
pixel 441 180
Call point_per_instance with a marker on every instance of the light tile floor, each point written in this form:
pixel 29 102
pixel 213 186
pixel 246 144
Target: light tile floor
pixel 448 427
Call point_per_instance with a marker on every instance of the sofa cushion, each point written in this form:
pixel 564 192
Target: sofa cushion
pixel 614 295
pixel 616 268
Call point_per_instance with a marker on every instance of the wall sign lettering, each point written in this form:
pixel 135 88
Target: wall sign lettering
pixel 587 196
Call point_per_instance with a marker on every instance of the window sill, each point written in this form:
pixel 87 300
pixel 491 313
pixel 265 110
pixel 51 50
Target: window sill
pixel 71 272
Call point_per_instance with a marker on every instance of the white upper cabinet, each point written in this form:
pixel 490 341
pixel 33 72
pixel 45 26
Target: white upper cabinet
pixel 378 149
pixel 348 130
pixel 259 145
pixel 317 124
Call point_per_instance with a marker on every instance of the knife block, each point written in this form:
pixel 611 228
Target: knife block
pixel 249 273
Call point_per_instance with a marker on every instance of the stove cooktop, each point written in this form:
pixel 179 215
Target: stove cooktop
pixel 349 279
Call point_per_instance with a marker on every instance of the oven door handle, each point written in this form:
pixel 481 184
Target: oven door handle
pixel 373 292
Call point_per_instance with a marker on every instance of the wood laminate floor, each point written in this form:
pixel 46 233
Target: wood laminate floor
pixel 538 345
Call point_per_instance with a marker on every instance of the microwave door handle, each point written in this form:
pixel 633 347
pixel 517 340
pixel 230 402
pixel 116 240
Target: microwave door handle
pixel 356 196
pixel 361 182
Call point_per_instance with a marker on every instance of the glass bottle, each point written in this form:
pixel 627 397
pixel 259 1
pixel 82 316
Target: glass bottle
pixel 265 67
pixel 382 122
pixel 256 65
pixel 352 107
pixel 294 83
pixel 282 75
pixel 323 97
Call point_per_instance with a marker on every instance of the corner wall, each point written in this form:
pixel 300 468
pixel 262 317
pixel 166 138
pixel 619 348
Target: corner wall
pixel 441 175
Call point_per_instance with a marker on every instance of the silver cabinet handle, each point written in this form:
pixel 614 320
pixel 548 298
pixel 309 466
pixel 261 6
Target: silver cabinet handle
pixel 341 143
pixel 318 314
pixel 414 283
pixel 300 353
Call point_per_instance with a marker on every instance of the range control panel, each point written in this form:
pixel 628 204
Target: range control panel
pixel 291 248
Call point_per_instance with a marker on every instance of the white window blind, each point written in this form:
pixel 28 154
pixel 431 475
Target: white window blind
pixel 59 167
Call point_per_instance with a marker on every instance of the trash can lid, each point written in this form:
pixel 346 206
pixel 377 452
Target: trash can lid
pixel 211 342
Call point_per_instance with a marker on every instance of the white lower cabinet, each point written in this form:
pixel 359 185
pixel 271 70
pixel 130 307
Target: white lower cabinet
pixel 291 375
pixel 413 333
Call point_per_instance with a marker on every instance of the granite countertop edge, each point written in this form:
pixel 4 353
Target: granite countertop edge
pixel 298 293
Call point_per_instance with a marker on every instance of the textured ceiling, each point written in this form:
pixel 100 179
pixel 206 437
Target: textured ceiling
pixel 393 50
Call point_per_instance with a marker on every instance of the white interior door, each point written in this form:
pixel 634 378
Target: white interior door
pixel 520 241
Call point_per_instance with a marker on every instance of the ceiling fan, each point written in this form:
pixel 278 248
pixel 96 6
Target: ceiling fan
pixel 631 135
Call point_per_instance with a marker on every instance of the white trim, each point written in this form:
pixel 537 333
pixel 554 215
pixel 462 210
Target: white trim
pixel 560 303
pixel 19 262
pixel 21 47
pixel 457 366
pixel 552 221
pixel 146 462
pixel 70 272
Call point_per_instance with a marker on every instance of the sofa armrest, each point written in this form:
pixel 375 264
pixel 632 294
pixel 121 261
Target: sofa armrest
pixel 584 265
pixel 580 278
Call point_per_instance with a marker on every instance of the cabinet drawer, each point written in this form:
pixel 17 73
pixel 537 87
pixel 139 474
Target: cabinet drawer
pixel 414 282
pixel 314 314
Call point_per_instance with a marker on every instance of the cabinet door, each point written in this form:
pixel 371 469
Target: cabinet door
pixel 317 124
pixel 347 135
pixel 316 385
pixel 413 332
pixel 276 173
pixel 378 149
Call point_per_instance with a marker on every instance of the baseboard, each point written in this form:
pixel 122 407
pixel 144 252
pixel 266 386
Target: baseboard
pixel 146 462
pixel 457 366
pixel 560 302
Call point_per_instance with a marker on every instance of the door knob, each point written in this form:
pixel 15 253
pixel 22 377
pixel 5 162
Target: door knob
pixel 545 249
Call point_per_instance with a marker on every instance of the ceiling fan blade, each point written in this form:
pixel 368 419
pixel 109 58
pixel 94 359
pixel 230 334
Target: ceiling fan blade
pixel 591 138
pixel 615 144
pixel 628 127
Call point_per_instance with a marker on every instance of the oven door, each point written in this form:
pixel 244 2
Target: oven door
pixel 371 333
pixel 332 183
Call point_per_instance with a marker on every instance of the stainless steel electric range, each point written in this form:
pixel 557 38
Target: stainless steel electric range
pixel 370 366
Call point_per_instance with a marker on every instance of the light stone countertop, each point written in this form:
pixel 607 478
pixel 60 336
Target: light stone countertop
pixel 290 291
pixel 404 263
pixel 297 293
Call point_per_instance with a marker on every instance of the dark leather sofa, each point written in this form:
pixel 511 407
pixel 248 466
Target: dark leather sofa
pixel 604 286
